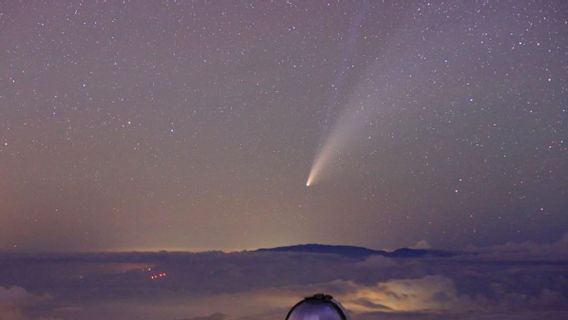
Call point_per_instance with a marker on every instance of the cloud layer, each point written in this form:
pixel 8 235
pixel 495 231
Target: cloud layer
pixel 512 281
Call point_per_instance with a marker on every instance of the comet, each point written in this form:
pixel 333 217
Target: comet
pixel 345 133
pixel 326 147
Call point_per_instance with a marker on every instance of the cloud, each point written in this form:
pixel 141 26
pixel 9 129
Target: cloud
pixel 511 281
pixel 429 293
pixel 13 300
pixel 422 244
pixel 526 250
pixel 14 295
pixel 213 316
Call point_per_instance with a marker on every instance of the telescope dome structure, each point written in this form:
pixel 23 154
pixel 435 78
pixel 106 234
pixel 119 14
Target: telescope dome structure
pixel 317 307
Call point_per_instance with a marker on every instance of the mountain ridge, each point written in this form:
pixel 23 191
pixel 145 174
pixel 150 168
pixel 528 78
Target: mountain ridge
pixel 357 251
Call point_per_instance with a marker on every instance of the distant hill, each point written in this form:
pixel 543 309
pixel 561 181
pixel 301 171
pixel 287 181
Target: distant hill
pixel 358 252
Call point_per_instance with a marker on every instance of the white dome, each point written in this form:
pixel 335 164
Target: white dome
pixel 317 307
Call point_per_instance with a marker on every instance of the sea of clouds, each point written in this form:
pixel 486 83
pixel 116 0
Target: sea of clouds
pixel 511 281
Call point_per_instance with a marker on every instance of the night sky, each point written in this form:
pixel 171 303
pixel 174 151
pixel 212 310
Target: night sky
pixel 192 125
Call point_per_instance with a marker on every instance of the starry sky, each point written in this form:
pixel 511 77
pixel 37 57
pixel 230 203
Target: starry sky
pixel 189 125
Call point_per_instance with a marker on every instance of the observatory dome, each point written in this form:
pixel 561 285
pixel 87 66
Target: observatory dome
pixel 317 307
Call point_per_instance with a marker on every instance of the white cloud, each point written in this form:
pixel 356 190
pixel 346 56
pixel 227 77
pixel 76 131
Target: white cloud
pixel 422 244
pixel 13 301
pixel 526 250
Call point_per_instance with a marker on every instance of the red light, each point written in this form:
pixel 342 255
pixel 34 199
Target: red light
pixel 158 276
